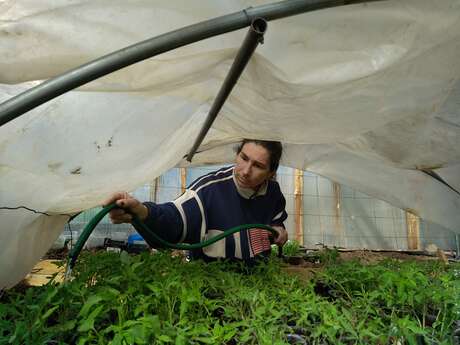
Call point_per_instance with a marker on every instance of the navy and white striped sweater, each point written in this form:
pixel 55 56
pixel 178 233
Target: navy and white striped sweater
pixel 212 204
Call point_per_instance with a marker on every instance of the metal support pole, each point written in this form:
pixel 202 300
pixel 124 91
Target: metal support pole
pixel 457 243
pixel 29 99
pixel 254 36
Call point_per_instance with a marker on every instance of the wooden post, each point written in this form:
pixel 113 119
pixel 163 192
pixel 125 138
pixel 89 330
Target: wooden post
pixel 413 231
pixel 154 190
pixel 298 193
pixel 183 180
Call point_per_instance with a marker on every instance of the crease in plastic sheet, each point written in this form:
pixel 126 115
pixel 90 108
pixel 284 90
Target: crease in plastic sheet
pixel 364 94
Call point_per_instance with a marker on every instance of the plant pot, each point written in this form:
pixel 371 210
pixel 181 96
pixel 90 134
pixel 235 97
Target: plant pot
pixel 294 260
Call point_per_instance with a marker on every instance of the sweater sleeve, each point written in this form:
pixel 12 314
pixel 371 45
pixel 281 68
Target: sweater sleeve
pixel 179 221
pixel 279 214
pixel 165 221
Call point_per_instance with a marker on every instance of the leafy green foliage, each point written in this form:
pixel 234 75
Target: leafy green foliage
pixel 291 248
pixel 328 256
pixel 159 299
pixel 325 255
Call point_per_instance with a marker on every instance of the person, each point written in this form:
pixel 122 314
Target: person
pixel 244 193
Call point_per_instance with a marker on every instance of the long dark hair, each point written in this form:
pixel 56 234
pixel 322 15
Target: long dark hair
pixel 274 148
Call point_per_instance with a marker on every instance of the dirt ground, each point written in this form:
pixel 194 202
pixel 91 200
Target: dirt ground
pixel 56 254
pixel 370 257
pixel 306 269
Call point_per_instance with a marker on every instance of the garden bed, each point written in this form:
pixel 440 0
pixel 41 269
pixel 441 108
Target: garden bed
pixel 160 299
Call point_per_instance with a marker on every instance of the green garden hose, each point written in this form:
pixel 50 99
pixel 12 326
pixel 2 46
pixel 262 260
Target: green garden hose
pixel 73 255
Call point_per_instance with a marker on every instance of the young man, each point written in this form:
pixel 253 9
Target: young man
pixel 241 194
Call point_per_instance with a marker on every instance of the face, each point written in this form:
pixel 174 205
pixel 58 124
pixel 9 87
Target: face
pixel 252 166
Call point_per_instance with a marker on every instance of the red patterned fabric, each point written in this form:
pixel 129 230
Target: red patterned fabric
pixel 259 239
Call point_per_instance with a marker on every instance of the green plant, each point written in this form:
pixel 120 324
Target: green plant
pixel 328 256
pixel 291 248
pixel 159 299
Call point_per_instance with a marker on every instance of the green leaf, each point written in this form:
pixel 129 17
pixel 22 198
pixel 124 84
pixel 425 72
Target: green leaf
pixel 181 340
pixel 205 340
pixel 152 322
pixel 66 326
pixel 165 338
pixel 88 323
pixel 125 258
pixel 92 300
pixel 49 312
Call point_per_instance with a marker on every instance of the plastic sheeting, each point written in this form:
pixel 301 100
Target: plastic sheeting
pixel 366 95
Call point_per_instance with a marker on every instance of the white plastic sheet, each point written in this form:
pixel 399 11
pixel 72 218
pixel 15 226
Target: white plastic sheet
pixel 365 95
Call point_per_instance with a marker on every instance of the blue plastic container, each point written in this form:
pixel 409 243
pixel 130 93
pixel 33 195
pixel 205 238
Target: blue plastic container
pixel 135 239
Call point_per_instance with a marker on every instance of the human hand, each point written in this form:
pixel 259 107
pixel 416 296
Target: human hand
pixel 127 207
pixel 281 237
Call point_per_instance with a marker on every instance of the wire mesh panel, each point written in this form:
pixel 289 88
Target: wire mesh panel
pixel 434 234
pixel 337 215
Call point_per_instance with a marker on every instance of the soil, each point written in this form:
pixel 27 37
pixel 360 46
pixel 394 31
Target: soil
pixel 304 272
pixel 56 254
pixel 370 257
pixel 307 269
